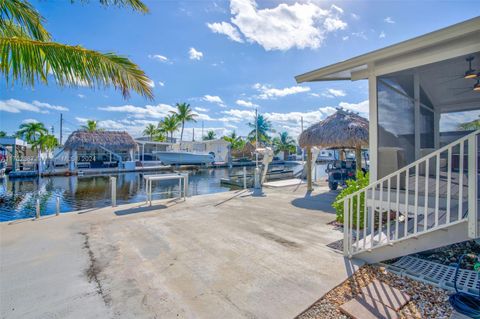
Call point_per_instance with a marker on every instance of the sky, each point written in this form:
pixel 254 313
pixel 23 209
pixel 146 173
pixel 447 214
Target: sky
pixel 224 58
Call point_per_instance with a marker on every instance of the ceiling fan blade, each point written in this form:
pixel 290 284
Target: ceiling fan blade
pixel 452 79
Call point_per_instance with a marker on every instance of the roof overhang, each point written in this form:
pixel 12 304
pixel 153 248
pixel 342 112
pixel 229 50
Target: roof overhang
pixel 456 40
pixel 10 141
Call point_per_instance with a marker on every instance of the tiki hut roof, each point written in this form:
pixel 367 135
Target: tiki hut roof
pixel 111 140
pixel 342 129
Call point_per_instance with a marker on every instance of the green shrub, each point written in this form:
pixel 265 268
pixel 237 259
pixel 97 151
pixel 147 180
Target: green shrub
pixel 361 182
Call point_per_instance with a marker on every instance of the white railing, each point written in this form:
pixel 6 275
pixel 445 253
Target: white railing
pixel 433 192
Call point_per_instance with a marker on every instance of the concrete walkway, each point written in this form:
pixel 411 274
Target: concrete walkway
pixel 228 255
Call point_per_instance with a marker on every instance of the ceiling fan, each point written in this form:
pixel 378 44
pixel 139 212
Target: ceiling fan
pixel 469 74
pixel 476 88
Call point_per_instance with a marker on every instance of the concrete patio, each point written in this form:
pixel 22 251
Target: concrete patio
pixel 228 255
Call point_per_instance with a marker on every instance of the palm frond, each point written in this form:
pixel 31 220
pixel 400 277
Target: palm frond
pixel 29 60
pixel 23 14
pixel 136 5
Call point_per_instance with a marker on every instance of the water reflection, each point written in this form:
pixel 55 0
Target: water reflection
pixel 18 197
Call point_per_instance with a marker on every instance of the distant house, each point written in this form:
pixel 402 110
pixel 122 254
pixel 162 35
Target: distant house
pixel 99 149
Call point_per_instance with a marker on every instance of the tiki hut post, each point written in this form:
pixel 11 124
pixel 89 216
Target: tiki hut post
pixel 309 169
pixel 358 157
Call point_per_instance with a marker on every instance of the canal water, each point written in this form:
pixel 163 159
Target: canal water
pixel 18 197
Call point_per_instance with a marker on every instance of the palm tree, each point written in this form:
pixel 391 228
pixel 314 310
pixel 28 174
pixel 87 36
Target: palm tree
pixel 92 126
pixel 264 126
pixel 28 54
pixel 236 142
pixel 210 136
pixel 3 134
pixel 151 131
pixel 184 114
pixel 470 126
pixel 46 142
pixel 32 132
pixel 169 125
pixel 284 143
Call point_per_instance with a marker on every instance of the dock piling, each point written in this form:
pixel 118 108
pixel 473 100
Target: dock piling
pixel 38 209
pixel 113 184
pixel 244 177
pixel 57 206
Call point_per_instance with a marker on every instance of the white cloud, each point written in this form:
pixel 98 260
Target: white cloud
pixel 16 106
pixel 300 25
pixel 161 83
pixel 194 54
pixel 29 121
pixel 213 99
pixel 382 35
pixel 331 93
pixel 226 29
pixel 355 16
pixel 147 111
pixel 246 103
pixel 267 92
pixel 361 107
pixel 360 34
pixel 389 20
pixel 158 57
pixel 81 96
pixel 151 84
pixel 240 114
pixel 345 38
pixel 200 109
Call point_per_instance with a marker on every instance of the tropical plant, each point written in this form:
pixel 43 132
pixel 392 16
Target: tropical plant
pixel 28 54
pixel 32 132
pixel 150 131
pixel 361 181
pixel 470 126
pixel 211 135
pixel 46 142
pixel 3 134
pixel 169 125
pixel 91 126
pixel 236 142
pixel 284 143
pixel 184 114
pixel 264 126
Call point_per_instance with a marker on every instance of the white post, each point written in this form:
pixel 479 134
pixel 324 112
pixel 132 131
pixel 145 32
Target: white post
pixel 185 192
pixel 417 120
pixel 113 184
pixel 257 177
pixel 345 227
pixel 57 210
pixel 38 209
pixel 373 134
pixel 244 177
pixel 472 187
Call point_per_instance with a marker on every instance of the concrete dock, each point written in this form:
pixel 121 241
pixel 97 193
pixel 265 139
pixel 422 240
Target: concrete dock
pixel 227 255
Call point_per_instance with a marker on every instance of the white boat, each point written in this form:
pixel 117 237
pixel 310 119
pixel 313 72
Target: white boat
pixel 184 158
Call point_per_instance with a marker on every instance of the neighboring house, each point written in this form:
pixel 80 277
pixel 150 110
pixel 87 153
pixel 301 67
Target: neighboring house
pixel 424 170
pixel 219 148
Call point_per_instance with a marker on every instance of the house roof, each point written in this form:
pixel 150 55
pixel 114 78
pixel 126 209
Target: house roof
pixel 111 140
pixel 455 40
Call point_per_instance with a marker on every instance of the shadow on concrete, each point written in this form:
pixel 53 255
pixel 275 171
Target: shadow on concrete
pixel 140 209
pixel 321 202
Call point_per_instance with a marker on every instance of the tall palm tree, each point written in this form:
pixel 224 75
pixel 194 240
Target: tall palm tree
pixel 46 142
pixel 184 114
pixel 210 136
pixel 28 54
pixel 264 126
pixel 284 143
pixel 32 132
pixel 169 125
pixel 92 126
pixel 150 131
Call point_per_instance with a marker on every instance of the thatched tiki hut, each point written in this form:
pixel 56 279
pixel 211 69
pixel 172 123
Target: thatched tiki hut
pixel 343 130
pixel 99 148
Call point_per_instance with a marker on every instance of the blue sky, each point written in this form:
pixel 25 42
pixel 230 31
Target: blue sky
pixel 224 58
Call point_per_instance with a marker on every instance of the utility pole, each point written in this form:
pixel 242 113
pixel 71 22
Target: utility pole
pixel 256 137
pixel 61 128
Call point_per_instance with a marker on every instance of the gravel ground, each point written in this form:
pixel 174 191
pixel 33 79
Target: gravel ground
pixel 450 255
pixel 427 301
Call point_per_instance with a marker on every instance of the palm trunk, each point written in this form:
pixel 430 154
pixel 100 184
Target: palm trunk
pixel 181 133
